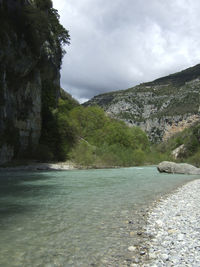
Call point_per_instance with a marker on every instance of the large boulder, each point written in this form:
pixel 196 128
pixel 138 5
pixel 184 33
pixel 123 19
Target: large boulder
pixel 182 168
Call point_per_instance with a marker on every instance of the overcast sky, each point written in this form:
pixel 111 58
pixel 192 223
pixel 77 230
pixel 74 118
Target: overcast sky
pixel 116 44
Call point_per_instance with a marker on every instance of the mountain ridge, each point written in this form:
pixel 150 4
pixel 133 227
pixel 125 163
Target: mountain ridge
pixel 158 106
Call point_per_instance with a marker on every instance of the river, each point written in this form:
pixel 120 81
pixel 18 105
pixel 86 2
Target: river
pixel 76 218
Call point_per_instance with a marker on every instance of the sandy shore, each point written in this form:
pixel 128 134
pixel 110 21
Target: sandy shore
pixel 173 227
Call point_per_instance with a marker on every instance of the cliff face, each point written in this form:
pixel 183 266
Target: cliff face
pixel 25 67
pixel 160 108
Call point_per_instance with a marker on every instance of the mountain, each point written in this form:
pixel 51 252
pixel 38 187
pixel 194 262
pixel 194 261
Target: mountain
pixel 31 40
pixel 161 108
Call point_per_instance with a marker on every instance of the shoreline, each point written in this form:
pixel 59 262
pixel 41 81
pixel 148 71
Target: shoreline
pixel 172 230
pixel 59 166
pixel 140 250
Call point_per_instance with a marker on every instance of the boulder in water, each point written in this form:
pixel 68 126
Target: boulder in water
pixel 182 168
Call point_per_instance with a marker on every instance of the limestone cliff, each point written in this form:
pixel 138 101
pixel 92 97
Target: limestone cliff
pixel 161 108
pixel 30 60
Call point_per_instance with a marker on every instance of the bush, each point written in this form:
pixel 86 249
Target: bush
pixel 138 157
pixel 83 154
pixel 195 159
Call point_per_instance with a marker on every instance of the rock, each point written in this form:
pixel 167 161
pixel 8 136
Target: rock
pixel 131 248
pixel 165 257
pixel 139 233
pixel 176 242
pixel 182 168
pixel 159 223
pixel 136 260
pixel 180 237
pixel 132 234
pixel 25 69
pixel 152 255
pixel 179 152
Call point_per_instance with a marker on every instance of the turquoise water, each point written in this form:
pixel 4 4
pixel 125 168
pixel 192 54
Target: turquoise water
pixel 75 218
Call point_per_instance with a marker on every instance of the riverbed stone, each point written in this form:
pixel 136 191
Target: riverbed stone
pixel 131 248
pixel 176 239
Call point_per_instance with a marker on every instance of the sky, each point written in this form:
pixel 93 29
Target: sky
pixel 116 44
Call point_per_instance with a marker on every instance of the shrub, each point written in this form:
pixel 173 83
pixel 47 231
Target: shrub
pixel 195 159
pixel 83 154
pixel 138 157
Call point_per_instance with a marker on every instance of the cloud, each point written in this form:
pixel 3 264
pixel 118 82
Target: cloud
pixel 118 44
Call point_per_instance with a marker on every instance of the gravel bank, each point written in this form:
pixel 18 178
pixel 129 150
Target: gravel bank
pixel 173 227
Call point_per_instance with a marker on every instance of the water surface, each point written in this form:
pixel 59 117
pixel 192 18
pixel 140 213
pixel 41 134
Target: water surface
pixel 75 218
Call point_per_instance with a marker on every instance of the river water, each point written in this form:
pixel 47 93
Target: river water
pixel 76 218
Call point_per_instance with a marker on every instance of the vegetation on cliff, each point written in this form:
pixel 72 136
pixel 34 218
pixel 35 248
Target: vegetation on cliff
pixel 31 42
pixel 156 105
pixel 190 139
pixel 36 22
pixel 57 137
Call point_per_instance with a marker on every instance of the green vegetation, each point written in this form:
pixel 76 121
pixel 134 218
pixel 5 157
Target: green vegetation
pixel 58 136
pixel 87 136
pixel 190 138
pixel 102 141
pixel 36 23
pixel 179 78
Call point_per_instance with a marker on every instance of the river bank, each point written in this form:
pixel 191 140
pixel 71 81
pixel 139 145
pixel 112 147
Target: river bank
pixel 55 166
pixel 59 166
pixel 173 229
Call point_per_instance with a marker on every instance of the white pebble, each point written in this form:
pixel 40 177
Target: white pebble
pixel 131 248
pixel 174 225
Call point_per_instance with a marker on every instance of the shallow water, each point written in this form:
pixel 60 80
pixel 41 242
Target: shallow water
pixel 75 218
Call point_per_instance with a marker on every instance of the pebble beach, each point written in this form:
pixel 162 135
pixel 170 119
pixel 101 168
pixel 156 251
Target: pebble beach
pixel 173 227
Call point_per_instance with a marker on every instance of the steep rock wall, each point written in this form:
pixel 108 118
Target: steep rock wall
pixel 23 72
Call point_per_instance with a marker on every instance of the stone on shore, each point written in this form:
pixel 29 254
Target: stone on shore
pixel 177 242
pixel 182 168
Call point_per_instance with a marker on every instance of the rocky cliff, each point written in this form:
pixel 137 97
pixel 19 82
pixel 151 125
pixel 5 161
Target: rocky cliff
pixel 161 108
pixel 30 60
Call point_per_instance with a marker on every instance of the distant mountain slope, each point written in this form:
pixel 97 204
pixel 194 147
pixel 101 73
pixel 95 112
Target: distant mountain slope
pixel 161 107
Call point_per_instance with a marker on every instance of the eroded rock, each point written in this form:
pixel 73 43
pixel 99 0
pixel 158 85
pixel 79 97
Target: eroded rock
pixel 182 168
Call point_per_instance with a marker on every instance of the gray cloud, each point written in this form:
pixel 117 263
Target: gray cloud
pixel 118 44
